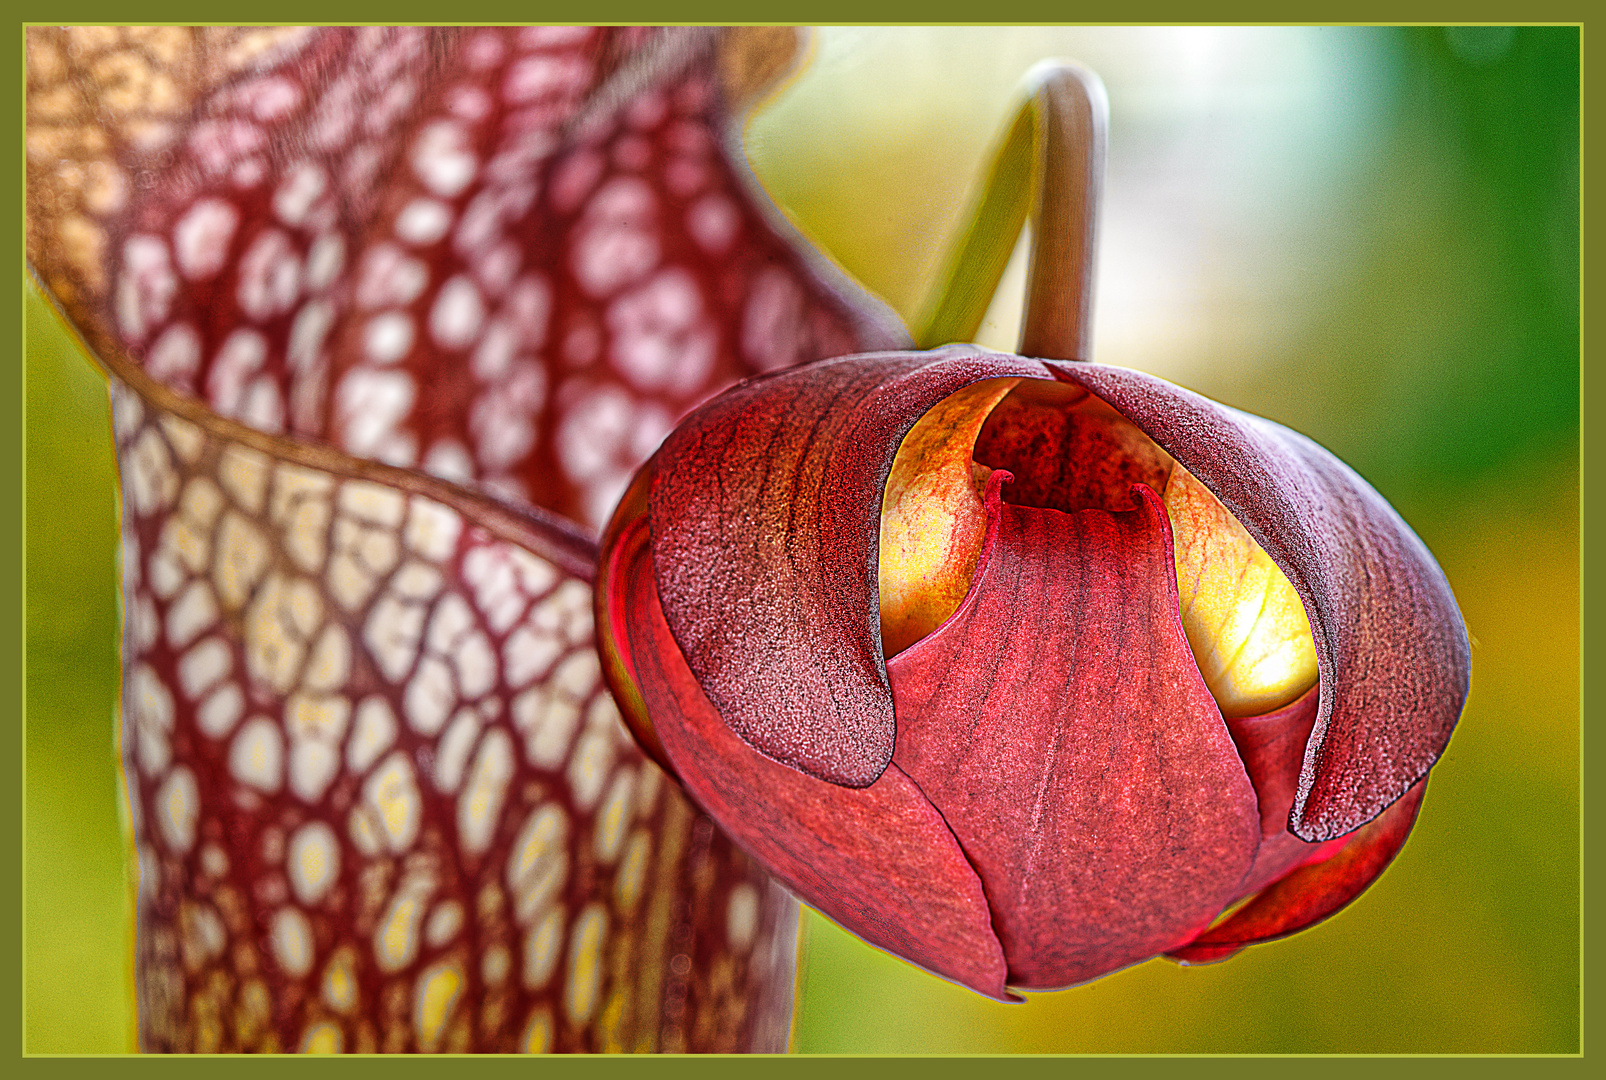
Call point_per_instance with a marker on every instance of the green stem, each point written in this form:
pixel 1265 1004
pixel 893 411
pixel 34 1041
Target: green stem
pixel 1050 163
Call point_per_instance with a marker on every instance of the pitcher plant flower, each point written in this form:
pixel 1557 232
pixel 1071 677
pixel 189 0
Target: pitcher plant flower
pixel 1025 668
pixel 390 316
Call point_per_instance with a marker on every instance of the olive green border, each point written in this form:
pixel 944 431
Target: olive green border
pixel 832 12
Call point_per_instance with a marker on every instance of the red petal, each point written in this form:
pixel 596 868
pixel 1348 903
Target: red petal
pixel 765 529
pixel 878 860
pixel 1391 647
pixel 1060 724
pixel 624 541
pixel 1312 892
pixel 1272 746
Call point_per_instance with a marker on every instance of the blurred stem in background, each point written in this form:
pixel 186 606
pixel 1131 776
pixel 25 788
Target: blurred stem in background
pixel 78 986
pixel 1369 235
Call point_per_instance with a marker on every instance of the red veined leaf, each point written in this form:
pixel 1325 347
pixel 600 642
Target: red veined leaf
pixel 257 218
pixel 381 799
pixel 511 255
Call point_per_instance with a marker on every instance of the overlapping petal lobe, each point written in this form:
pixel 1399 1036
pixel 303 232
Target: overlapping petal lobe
pixel 1085 769
pixel 765 526
pixel 1272 748
pixel 1392 650
pixel 1314 891
pixel 879 860
pixel 624 541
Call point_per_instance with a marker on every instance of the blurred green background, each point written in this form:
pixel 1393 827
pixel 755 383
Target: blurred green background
pixel 1370 235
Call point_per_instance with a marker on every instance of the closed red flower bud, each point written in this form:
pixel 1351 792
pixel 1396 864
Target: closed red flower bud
pixel 1027 671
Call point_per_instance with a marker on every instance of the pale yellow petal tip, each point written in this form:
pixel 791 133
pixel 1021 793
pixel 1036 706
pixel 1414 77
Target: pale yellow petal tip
pixel 933 521
pixel 1243 618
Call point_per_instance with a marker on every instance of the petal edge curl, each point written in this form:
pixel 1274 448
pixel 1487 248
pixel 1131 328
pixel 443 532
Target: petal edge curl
pixel 1392 650
pixel 1313 892
pixel 765 532
pixel 878 860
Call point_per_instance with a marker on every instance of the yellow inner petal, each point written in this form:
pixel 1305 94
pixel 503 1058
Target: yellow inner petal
pixel 1244 621
pixel 933 520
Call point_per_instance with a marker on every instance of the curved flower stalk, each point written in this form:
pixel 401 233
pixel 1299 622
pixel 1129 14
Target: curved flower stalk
pixel 382 308
pixel 1029 670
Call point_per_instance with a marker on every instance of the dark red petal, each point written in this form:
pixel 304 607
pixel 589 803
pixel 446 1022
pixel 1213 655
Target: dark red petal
pixel 1060 725
pixel 624 541
pixel 1391 647
pixel 1314 891
pixel 1272 746
pixel 879 860
pixel 765 529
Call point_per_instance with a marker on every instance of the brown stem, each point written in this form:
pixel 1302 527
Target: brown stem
pixel 1072 116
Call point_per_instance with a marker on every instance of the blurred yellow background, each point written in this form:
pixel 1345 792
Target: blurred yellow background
pixel 1370 235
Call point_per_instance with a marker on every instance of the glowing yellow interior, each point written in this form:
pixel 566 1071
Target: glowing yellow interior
pixel 933 521
pixel 1244 622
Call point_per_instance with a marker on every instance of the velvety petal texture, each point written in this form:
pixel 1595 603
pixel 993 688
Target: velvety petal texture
pixel 1391 646
pixel 880 860
pixel 1085 767
pixel 766 511
pixel 1056 731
